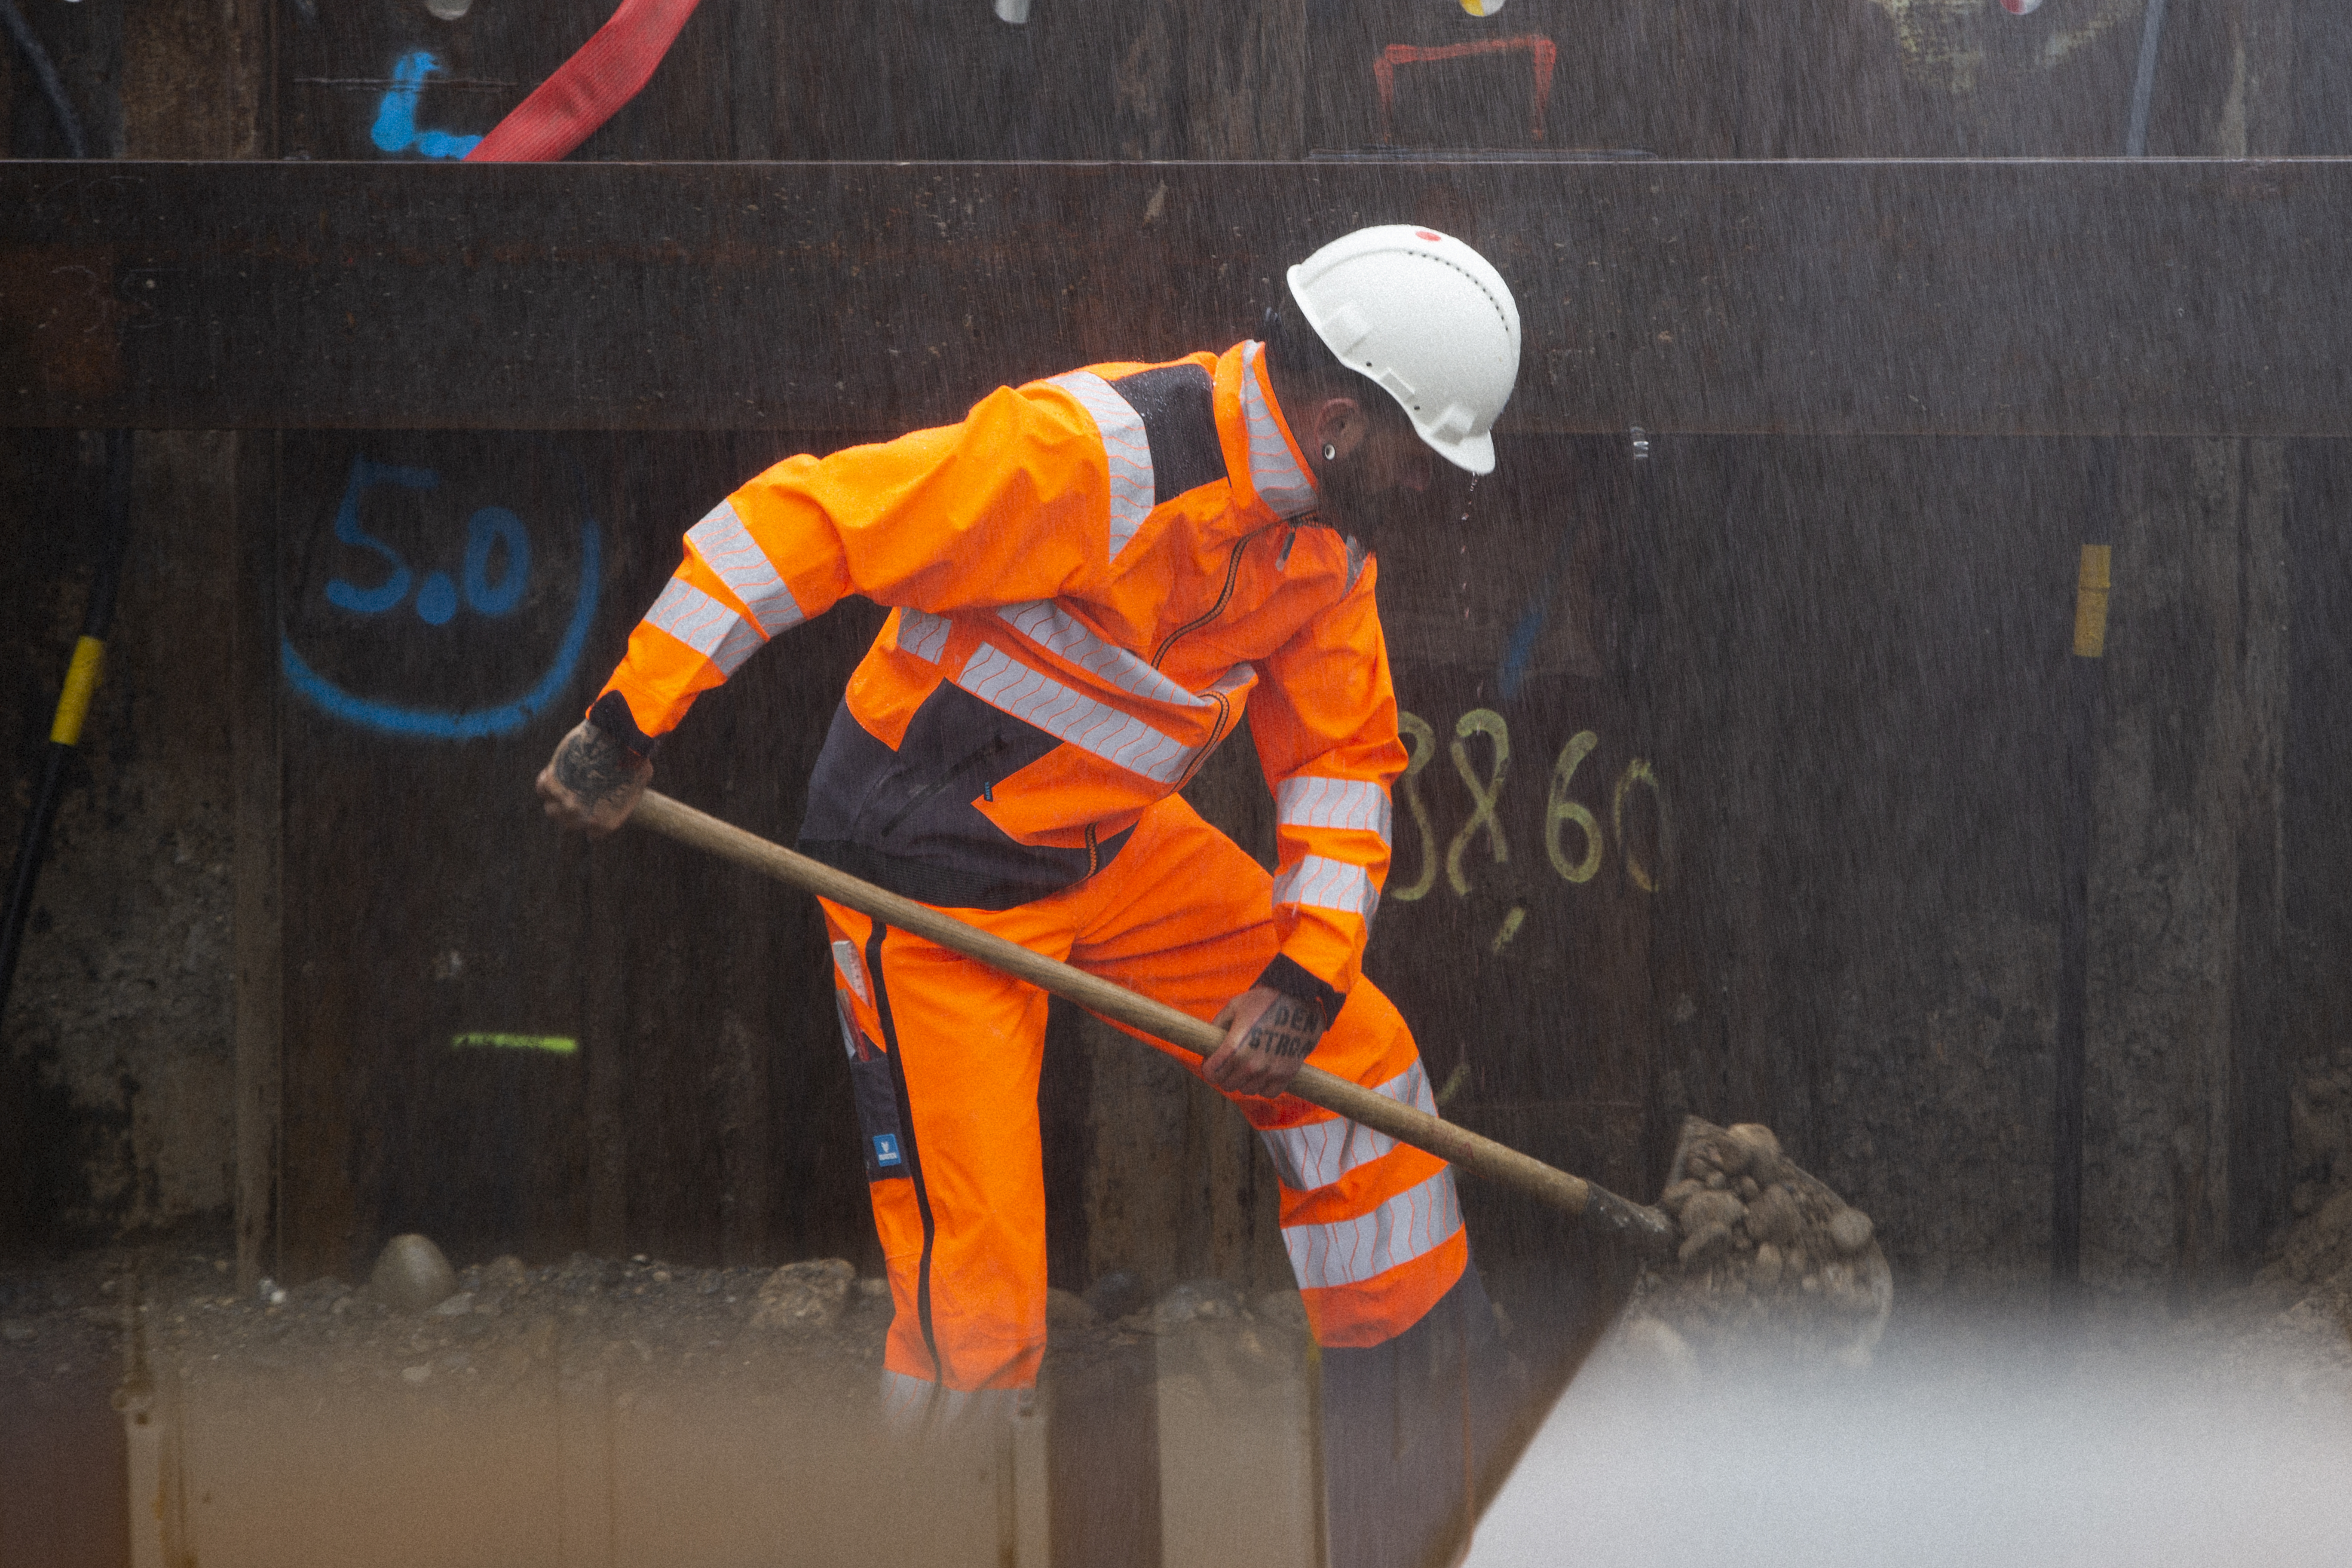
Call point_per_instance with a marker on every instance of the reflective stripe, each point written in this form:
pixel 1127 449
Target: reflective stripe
pixel 903 1397
pixel 848 1026
pixel 1350 1251
pixel 728 547
pixel 1056 630
pixel 1232 679
pixel 704 624
pixel 999 680
pixel 1327 884
pixel 922 634
pixel 908 1403
pixel 853 970
pixel 1357 803
pixel 1126 448
pixel 1275 474
pixel 1321 1152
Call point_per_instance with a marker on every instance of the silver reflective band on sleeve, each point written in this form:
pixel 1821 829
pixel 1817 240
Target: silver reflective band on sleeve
pixel 1126 448
pixel 1326 884
pixel 1358 804
pixel 999 680
pixel 853 970
pixel 1321 1152
pixel 704 624
pixel 1350 1251
pixel 1275 474
pixel 726 547
pixel 922 634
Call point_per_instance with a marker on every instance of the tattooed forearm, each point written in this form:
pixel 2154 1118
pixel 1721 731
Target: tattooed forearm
pixel 593 766
pixel 1288 1029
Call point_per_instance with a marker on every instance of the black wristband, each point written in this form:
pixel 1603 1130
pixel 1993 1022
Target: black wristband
pixel 1291 979
pixel 610 714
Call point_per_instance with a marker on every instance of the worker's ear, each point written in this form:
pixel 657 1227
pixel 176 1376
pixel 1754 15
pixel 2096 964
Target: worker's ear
pixel 1334 424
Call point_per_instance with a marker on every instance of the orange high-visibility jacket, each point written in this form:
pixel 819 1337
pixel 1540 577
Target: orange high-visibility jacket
pixel 1094 576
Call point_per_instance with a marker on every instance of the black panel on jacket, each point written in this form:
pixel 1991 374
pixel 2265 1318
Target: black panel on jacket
pixel 1180 420
pixel 905 819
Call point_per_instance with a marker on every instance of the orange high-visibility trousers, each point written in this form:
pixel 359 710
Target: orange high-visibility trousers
pixel 945 1054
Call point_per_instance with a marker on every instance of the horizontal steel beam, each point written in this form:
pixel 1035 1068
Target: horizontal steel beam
pixel 2040 298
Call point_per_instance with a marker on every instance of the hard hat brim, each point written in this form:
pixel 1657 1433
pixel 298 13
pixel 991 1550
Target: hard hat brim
pixel 1471 454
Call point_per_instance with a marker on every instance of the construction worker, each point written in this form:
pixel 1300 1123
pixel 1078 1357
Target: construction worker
pixel 1094 579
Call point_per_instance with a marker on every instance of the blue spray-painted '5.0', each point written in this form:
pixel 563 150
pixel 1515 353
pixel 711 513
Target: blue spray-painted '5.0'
pixel 396 117
pixel 436 601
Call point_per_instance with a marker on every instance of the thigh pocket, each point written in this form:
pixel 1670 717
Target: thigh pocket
pixel 877 1099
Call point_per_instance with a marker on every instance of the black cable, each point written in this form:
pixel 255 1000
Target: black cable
pixel 73 704
pixel 46 72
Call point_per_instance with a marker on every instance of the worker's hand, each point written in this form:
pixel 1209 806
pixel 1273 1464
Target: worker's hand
pixel 1268 1035
pixel 592 783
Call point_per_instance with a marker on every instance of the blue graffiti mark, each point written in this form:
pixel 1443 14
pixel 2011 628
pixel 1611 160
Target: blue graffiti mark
pixel 396 117
pixel 365 476
pixel 437 600
pixel 431 724
pixel 490 527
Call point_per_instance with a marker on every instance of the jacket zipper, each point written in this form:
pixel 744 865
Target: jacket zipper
pixel 1232 571
pixel 1094 854
pixel 996 744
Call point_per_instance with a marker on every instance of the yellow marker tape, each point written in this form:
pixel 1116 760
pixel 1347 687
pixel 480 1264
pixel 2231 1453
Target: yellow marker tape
pixel 560 1044
pixel 2091 602
pixel 81 685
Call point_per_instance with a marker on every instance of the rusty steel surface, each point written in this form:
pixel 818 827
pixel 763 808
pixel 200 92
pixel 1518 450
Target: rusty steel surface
pixel 1960 297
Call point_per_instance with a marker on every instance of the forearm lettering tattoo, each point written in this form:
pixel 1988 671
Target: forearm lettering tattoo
pixel 593 766
pixel 1288 1029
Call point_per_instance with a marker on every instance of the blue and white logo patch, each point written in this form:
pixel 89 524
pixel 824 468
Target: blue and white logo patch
pixel 886 1150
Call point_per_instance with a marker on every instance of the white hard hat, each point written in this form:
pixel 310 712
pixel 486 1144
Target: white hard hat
pixel 1426 317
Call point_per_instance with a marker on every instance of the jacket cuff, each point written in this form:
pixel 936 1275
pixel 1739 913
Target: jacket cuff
pixel 610 714
pixel 1286 975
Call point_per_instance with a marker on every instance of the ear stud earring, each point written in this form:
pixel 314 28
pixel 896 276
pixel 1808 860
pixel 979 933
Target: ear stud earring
pixel 1330 453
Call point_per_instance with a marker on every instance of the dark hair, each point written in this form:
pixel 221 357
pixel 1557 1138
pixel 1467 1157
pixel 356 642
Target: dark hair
pixel 1297 352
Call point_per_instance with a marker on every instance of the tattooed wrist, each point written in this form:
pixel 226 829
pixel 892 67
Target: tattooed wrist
pixel 593 766
pixel 1287 1029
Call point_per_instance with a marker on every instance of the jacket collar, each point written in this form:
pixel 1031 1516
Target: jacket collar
pixel 1268 471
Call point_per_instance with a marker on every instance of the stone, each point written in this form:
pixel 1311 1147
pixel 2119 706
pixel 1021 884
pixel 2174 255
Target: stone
pixel 457 1306
pixel 1756 1138
pixel 17 1331
pixel 1194 1300
pixel 1679 1194
pixel 505 1272
pixel 1117 1295
pixel 1766 1271
pixel 1067 1309
pixel 1850 1230
pixel 412 1275
pixel 415 1375
pixel 1705 1246
pixel 1712 1210
pixel 1773 1216
pixel 801 1298
pixel 1747 1189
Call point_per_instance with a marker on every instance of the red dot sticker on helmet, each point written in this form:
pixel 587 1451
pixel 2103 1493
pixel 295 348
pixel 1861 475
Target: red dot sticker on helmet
pixel 2021 7
pixel 1424 234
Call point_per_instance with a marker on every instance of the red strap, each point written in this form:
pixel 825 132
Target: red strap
pixel 588 88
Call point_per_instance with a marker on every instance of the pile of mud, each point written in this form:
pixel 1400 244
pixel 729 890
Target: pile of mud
pixel 1771 1262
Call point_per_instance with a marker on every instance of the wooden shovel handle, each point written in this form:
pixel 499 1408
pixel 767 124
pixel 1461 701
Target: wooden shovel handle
pixel 1601 1209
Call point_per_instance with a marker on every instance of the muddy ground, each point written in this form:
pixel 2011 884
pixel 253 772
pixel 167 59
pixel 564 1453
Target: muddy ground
pixel 660 1335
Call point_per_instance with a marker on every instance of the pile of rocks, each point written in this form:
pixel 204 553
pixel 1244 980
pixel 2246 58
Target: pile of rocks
pixel 1771 1261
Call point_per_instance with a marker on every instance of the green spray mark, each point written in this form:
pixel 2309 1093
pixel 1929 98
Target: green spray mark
pixel 560 1045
